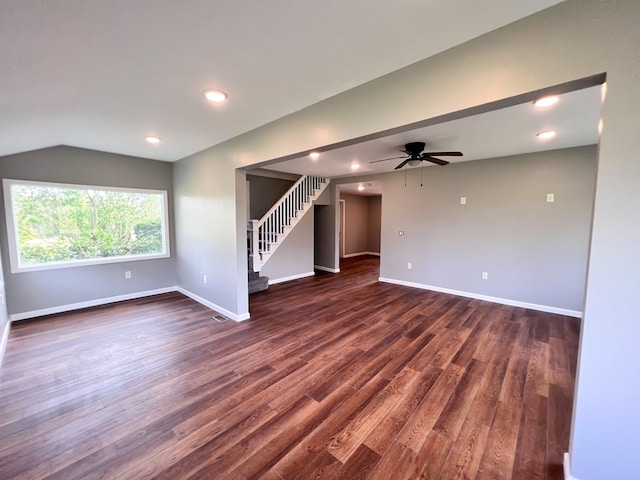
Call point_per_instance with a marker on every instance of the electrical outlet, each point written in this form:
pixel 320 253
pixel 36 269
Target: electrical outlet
pixel 127 274
pixel 401 233
pixel 463 200
pixel 204 279
pixel 551 198
pixel 485 275
pixel 409 266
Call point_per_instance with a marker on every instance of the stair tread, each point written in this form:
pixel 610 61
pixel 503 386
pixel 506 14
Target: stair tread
pixel 258 284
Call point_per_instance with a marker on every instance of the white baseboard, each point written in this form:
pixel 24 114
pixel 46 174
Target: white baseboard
pixel 91 303
pixel 504 301
pixel 359 254
pixel 291 277
pixel 566 466
pixel 4 339
pixel 213 306
pixel 326 269
pixel 130 296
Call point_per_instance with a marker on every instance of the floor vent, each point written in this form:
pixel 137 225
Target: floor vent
pixel 219 318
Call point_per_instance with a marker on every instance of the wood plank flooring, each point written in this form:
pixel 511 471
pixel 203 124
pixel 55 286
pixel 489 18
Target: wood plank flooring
pixel 335 376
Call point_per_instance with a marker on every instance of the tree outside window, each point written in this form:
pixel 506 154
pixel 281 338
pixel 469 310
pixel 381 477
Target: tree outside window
pixel 55 225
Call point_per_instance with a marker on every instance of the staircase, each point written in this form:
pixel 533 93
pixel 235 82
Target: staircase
pixel 268 233
pixel 257 283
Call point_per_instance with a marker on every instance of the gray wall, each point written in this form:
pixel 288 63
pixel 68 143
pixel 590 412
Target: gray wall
pixel 534 251
pixel 323 230
pixel 294 257
pixel 211 231
pixel 264 193
pixel 375 223
pixel 362 224
pixel 47 289
pixel 570 41
pixel 356 223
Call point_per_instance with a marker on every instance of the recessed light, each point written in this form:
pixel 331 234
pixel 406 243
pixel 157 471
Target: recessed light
pixel 152 139
pixel 360 188
pixel 314 155
pixel 546 135
pixel 355 166
pixel 215 95
pixel 546 101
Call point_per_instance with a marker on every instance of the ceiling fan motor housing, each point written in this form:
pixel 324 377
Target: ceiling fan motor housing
pixel 414 148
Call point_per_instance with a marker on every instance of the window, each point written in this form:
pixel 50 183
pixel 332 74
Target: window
pixel 57 225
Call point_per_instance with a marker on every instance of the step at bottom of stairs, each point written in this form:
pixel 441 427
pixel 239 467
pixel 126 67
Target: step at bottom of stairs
pixel 257 283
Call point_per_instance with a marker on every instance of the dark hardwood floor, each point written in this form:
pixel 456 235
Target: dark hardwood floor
pixel 334 376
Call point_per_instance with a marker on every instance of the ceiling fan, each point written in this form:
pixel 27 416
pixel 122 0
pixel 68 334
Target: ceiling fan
pixel 415 153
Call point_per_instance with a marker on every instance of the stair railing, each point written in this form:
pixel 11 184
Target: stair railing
pixel 266 230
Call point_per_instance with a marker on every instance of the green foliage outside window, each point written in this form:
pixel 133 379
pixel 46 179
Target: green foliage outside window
pixel 58 223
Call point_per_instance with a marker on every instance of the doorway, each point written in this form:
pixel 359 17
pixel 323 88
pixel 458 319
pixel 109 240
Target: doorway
pixel 359 222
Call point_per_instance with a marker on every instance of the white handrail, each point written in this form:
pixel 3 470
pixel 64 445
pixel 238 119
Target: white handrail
pixel 286 195
pixel 265 232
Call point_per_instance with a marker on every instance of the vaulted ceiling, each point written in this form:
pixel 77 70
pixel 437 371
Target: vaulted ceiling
pixel 103 75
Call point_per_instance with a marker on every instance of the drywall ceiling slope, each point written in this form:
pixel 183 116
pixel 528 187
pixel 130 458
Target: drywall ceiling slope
pixel 103 75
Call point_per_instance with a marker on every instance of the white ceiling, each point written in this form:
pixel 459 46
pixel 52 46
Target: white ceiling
pixel 104 74
pixel 498 133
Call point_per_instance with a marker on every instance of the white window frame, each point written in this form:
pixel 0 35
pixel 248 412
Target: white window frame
pixel 12 234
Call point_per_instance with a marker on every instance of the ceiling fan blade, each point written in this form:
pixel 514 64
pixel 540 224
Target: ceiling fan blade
pixel 402 164
pixel 442 154
pixel 385 159
pixel 437 161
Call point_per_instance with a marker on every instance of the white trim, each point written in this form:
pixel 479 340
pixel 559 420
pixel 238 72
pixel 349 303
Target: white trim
pixel 566 466
pixel 292 277
pixel 90 303
pixel 343 226
pixel 4 339
pixel 504 301
pixel 213 306
pixel 130 296
pixel 326 269
pixel 359 254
